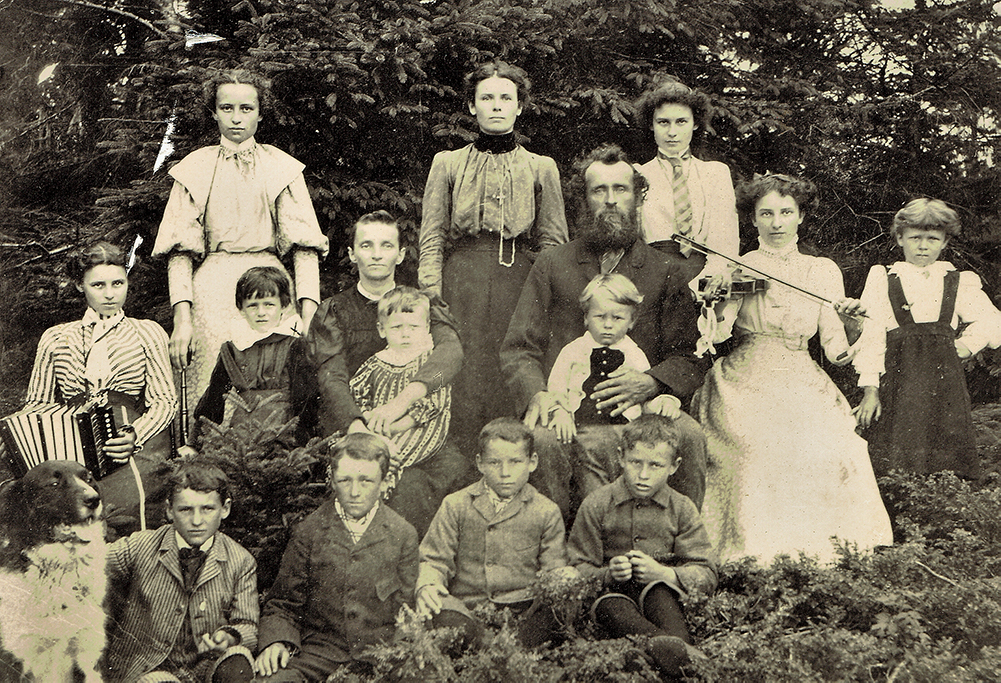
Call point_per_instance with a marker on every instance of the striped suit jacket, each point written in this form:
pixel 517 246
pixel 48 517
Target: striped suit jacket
pixel 140 367
pixel 144 572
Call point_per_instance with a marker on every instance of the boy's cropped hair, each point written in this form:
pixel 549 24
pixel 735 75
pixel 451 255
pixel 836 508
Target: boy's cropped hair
pixel 403 299
pixel 359 446
pixel 508 429
pixel 674 92
pixel 262 281
pixel 199 476
pixel 650 429
pixel 927 214
pixel 380 216
pixel 238 76
pixel 621 288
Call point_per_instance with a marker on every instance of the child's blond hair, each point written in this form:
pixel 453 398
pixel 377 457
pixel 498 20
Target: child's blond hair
pixel 926 214
pixel 621 289
pixel 406 300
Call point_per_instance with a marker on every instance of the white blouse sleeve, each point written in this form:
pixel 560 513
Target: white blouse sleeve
pixel 872 344
pixel 974 307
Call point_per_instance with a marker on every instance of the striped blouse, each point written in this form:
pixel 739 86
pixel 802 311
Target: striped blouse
pixel 138 366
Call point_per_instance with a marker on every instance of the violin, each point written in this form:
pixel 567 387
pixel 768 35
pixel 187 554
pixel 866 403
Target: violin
pixel 740 286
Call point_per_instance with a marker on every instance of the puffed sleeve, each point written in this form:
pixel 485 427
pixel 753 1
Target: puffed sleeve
pixel 160 395
pixel 42 385
pixel 828 279
pixel 550 218
pixel 974 307
pixel 723 227
pixel 871 345
pixel 180 228
pixel 296 219
pixel 436 213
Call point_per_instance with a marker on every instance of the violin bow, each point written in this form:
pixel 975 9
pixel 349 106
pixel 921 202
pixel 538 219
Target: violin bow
pixel 687 241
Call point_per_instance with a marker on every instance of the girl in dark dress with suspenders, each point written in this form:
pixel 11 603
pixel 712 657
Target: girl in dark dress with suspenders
pixel 916 402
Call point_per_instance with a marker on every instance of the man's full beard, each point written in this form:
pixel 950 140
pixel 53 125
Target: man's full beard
pixel 610 229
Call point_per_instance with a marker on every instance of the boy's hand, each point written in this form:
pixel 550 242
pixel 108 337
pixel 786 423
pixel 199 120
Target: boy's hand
pixel 664 404
pixel 646 569
pixel 870 409
pixel 272 659
pixel 219 641
pixel 963 350
pixel 539 408
pixel 563 424
pixel 429 599
pixel 621 568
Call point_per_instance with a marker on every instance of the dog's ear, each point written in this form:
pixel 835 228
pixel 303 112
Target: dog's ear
pixel 10 491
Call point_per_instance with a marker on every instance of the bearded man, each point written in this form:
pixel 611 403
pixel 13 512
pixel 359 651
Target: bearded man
pixel 548 317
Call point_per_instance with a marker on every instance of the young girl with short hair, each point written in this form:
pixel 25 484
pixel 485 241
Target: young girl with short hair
pixel 916 403
pixel 234 205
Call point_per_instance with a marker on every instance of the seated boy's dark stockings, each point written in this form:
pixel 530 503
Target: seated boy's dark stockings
pixel 657 614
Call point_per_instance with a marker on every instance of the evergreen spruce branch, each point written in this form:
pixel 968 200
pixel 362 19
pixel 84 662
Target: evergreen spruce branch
pixel 120 12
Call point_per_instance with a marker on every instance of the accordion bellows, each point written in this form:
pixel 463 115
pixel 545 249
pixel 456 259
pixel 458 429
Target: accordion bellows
pixel 57 432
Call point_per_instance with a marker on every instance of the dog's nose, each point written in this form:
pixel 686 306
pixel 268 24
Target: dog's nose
pixel 91 501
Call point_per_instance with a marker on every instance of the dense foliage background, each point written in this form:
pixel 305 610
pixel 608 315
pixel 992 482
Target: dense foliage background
pixel 877 105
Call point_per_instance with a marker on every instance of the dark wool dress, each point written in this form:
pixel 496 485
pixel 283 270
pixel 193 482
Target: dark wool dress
pixel 926 425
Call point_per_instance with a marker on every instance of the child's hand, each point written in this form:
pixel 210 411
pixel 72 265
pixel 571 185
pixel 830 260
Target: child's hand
pixel 963 350
pixel 870 409
pixel 664 404
pixel 272 659
pixel 429 599
pixel 563 424
pixel 646 569
pixel 621 568
pixel 539 408
pixel 220 641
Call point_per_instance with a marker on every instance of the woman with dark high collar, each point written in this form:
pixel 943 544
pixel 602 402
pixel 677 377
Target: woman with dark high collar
pixel 488 208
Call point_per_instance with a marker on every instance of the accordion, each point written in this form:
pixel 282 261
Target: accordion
pixel 57 432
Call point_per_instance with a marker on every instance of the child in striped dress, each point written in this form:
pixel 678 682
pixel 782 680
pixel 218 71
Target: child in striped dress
pixel 404 322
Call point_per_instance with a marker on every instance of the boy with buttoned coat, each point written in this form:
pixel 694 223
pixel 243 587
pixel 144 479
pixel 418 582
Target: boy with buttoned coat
pixel 349 568
pixel 489 540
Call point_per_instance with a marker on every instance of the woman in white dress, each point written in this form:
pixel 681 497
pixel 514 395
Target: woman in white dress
pixel 787 471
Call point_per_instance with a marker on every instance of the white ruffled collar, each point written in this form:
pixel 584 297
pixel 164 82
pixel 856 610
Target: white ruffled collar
pixel 399 357
pixel 936 270
pixel 246 336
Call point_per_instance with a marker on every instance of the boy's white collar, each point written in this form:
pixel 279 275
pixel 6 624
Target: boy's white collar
pixel 245 336
pixel 181 543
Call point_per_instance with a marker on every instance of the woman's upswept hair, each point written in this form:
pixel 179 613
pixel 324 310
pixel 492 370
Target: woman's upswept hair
pixel 927 214
pixel 98 254
pixel 242 76
pixel 803 191
pixel 500 69
pixel 621 288
pixel 674 92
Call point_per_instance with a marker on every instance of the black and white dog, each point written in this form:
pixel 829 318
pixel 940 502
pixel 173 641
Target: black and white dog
pixel 52 575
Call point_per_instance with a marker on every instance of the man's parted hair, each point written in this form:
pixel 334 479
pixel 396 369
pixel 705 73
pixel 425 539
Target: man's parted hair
pixel 406 300
pixel 621 288
pixel 609 154
pixel 198 476
pixel 262 281
pixel 508 429
pixel 650 429
pixel 927 214
pixel 358 446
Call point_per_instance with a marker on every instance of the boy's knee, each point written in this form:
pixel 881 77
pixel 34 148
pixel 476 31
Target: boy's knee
pixel 469 630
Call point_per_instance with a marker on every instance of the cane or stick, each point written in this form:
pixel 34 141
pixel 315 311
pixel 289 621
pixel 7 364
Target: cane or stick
pixel 183 440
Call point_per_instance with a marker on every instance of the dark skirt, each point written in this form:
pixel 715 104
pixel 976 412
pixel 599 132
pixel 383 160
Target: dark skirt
pixel 481 295
pixel 926 425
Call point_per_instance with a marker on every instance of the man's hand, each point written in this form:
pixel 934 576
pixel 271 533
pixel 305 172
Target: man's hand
pixel 220 641
pixel 539 408
pixel 620 568
pixel 624 388
pixel 180 339
pixel 647 570
pixel 564 426
pixel 429 598
pixel 870 409
pixel 272 659
pixel 121 447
